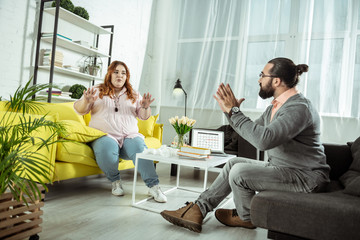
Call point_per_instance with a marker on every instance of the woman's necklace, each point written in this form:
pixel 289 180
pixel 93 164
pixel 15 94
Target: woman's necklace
pixel 116 101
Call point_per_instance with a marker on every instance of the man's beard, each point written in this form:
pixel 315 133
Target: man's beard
pixel 267 92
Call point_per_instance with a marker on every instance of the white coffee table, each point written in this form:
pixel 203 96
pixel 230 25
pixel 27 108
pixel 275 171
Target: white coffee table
pixel 205 164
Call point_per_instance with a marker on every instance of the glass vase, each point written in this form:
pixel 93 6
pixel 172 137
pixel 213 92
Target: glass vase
pixel 180 140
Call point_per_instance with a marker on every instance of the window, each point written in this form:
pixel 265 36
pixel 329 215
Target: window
pixel 231 41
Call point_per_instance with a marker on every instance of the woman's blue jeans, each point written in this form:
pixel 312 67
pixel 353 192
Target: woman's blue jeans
pixel 107 153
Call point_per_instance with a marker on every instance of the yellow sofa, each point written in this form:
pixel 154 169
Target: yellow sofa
pixel 75 158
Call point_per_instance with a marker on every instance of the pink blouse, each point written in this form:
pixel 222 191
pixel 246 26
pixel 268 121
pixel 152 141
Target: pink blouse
pixel 118 125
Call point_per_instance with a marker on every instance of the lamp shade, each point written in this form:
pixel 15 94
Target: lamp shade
pixel 178 84
pixel 179 90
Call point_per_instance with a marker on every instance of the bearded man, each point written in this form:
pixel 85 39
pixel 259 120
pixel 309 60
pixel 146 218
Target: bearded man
pixel 289 130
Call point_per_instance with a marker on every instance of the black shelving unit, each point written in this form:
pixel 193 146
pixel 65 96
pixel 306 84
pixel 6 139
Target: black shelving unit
pixel 57 13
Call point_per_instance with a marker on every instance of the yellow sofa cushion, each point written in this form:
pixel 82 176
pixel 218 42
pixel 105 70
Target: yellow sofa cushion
pixel 152 142
pixel 146 127
pixel 75 152
pixel 79 132
pixel 81 153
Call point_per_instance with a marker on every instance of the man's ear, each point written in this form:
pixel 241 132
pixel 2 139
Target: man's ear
pixel 277 82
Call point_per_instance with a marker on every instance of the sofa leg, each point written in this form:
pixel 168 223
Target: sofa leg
pixel 173 171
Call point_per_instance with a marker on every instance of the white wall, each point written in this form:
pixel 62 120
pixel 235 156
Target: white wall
pixel 16 43
pixel 18 28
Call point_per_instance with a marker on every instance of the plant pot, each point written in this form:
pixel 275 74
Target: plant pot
pixel 18 221
pixel 93 70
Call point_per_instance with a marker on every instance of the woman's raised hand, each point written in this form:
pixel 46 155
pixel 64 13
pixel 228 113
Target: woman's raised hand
pixel 89 95
pixel 146 101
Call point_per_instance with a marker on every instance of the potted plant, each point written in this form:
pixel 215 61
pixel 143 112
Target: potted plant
pixel 80 11
pixel 93 65
pixel 77 91
pixel 66 4
pixel 24 170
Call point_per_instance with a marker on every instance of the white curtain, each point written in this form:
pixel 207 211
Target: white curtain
pixel 206 42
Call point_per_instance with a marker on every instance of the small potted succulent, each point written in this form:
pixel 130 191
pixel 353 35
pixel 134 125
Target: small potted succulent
pixel 93 65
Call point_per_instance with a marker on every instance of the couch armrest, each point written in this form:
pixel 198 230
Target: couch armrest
pixel 158 131
pixel 339 158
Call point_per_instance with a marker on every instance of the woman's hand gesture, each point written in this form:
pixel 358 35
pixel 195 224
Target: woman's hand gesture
pixel 89 95
pixel 146 100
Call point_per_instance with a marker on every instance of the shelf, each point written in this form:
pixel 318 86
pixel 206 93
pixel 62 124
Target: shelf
pixel 75 47
pixel 76 20
pixel 72 73
pixel 56 98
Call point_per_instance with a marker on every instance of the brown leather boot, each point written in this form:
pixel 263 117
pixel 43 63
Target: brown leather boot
pixel 189 217
pixel 229 217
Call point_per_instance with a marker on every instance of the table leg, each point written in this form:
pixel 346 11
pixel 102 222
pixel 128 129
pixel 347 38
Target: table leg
pixel 135 178
pixel 177 176
pixel 205 178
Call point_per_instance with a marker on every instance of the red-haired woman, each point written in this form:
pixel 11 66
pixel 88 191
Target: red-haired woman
pixel 114 106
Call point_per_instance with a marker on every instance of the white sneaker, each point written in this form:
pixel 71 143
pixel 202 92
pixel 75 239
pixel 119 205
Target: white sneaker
pixel 158 195
pixel 117 189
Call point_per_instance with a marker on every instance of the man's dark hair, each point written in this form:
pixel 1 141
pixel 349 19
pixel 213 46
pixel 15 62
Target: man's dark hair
pixel 287 71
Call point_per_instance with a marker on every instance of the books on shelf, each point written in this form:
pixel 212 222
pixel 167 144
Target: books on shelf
pixel 59 35
pixel 55 92
pixel 194 152
pixel 45 55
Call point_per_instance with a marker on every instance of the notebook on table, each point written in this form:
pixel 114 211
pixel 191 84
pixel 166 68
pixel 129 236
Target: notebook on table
pixel 212 139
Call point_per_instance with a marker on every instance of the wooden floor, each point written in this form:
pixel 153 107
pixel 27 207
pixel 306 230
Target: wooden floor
pixel 84 208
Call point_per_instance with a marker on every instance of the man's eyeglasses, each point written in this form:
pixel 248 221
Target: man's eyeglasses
pixel 262 75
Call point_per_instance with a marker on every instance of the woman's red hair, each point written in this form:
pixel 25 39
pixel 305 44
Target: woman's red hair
pixel 107 89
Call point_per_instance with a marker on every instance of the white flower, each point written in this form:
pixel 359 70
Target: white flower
pixel 172 121
pixel 183 121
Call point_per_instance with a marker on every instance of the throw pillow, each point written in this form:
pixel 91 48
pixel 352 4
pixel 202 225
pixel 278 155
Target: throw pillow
pixel 353 188
pixel 66 111
pixel 146 127
pixel 77 131
pixel 354 169
pixel 75 152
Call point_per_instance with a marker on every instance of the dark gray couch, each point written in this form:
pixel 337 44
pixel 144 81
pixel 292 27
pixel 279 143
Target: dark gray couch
pixel 332 214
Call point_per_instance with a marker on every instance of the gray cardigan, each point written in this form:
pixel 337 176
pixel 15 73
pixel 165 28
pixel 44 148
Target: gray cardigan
pixel 292 138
